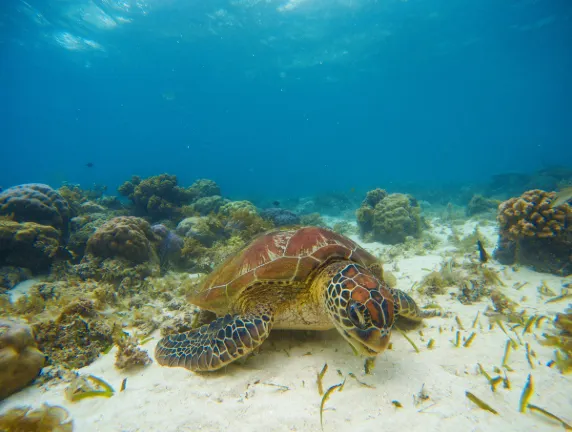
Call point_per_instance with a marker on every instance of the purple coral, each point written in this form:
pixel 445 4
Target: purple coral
pixel 36 202
pixel 170 245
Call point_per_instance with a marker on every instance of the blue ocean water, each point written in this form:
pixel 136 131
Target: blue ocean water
pixel 283 98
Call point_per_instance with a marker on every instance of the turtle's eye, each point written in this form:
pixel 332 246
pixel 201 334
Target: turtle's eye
pixel 358 315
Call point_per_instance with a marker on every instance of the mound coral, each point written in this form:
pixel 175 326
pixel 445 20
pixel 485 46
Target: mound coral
pixel 36 202
pixel 125 237
pixel 204 188
pixel 82 228
pixel 280 217
pixel 28 244
pixel 20 359
pixel 532 232
pixel 206 205
pixel 389 218
pixel 230 207
pixel 313 219
pixel 480 204
pixel 157 196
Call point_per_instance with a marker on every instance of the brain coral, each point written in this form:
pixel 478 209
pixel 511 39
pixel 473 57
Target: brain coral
pixel 36 202
pixel 125 237
pixel 28 244
pixel 534 233
pixel 389 218
pixel 20 359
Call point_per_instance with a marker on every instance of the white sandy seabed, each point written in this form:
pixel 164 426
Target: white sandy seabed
pixel 276 390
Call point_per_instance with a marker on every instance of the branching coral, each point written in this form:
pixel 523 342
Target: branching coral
pixel 157 196
pixel 533 232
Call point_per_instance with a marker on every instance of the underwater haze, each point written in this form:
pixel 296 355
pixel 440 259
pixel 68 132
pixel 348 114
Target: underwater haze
pixel 218 214
pixel 283 98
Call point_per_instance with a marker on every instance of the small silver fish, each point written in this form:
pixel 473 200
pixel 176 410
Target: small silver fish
pixel 562 197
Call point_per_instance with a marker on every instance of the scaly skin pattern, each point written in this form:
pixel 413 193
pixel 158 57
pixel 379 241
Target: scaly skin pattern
pixel 360 306
pixel 301 279
pixel 215 345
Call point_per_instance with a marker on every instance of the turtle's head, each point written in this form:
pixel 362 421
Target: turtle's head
pixel 360 306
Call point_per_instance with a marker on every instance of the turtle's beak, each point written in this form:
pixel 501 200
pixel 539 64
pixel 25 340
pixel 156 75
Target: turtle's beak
pixel 368 342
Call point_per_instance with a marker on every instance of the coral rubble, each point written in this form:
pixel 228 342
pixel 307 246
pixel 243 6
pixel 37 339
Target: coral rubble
pixel 129 355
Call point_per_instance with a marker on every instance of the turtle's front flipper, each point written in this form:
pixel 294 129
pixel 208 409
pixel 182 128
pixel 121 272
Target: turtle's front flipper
pixel 407 312
pixel 215 345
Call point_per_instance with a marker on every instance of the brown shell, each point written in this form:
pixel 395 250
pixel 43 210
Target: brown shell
pixel 286 256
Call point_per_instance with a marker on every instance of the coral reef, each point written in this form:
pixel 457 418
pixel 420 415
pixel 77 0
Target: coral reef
pixel 479 204
pixel 76 337
pixel 312 219
pixel 170 246
pixel 280 217
pixel 82 228
pixel 126 237
pixel 157 196
pixel 11 276
pixel 232 206
pixel 129 355
pixel 206 205
pixel 208 240
pixel 389 218
pixel 28 245
pixel 345 228
pixel 532 232
pixel 204 188
pixel 36 202
pixel 20 359
pixel 511 184
pixel 47 418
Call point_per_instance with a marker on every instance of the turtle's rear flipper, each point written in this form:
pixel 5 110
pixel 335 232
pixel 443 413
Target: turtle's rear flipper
pixel 215 345
pixel 407 313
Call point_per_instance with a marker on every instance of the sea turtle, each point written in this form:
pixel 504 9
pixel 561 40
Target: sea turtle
pixel 308 278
